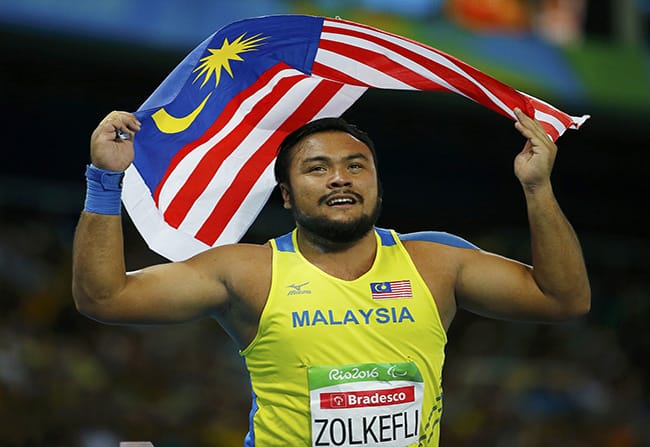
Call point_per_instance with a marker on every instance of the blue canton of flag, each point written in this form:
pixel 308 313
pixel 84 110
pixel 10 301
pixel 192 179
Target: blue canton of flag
pixel 391 289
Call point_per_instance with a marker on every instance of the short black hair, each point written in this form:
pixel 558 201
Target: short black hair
pixel 283 159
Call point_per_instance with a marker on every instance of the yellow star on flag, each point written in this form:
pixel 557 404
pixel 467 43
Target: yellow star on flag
pixel 220 58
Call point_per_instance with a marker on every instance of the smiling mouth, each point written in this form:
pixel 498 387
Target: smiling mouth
pixel 342 199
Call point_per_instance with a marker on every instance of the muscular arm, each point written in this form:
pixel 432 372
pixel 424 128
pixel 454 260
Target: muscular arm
pixel 101 287
pixel 166 293
pixel 559 269
pixel 556 286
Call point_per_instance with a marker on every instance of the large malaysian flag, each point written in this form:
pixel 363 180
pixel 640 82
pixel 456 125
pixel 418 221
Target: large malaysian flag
pixel 203 167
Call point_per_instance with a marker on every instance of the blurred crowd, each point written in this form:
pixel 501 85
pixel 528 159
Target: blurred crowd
pixel 66 380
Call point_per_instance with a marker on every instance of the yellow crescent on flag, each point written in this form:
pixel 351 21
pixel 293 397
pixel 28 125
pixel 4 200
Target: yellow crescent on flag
pixel 167 123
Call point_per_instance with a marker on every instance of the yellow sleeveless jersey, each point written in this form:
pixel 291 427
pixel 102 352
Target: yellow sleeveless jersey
pixel 347 363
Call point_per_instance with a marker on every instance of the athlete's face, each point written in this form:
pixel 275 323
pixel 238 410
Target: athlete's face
pixel 333 187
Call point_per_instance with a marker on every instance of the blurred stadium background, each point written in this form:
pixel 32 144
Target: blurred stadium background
pixel 446 165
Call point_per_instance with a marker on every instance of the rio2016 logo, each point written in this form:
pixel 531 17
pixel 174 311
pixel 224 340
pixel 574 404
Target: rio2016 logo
pixel 357 373
pixel 353 374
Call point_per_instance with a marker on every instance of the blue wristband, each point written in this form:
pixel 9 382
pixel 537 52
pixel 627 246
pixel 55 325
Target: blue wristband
pixel 104 191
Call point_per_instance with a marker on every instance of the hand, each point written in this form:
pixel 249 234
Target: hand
pixel 107 151
pixel 533 165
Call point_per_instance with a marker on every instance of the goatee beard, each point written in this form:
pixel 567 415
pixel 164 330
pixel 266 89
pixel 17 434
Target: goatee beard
pixel 334 233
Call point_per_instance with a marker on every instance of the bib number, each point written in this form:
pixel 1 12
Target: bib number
pixel 369 404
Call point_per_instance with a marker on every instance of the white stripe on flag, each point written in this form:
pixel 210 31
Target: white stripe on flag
pixel 394 56
pixel 551 120
pixel 357 70
pixel 249 208
pixel 425 52
pixel 402 42
pixel 577 121
pixel 441 59
pixel 342 101
pixel 159 236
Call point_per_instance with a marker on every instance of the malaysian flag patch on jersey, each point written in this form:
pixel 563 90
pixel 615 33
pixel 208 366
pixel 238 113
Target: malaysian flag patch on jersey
pixel 391 289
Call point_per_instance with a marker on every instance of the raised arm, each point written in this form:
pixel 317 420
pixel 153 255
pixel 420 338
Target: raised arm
pixel 556 287
pixel 101 287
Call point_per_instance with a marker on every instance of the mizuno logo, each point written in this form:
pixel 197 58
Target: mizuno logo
pixel 297 289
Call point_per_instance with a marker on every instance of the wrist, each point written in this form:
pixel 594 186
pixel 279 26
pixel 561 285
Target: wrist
pixel 104 191
pixel 537 189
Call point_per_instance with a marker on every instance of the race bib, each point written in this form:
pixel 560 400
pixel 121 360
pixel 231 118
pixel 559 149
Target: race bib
pixel 369 404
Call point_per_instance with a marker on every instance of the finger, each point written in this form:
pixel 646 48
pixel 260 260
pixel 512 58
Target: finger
pixel 525 131
pixel 526 121
pixel 529 127
pixel 121 125
pixel 125 120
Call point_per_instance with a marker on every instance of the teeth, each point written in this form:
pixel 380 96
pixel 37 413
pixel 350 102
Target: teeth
pixel 340 201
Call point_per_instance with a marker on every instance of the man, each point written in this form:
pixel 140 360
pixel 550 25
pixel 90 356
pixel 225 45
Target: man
pixel 342 325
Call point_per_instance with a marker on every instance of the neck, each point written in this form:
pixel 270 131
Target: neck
pixel 312 241
pixel 347 260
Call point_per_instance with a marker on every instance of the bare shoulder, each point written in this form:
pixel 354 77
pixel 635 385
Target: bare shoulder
pixel 435 253
pixel 235 262
pixel 439 261
pixel 428 255
pixel 243 272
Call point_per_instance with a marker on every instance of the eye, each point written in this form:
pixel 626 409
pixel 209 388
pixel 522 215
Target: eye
pixel 316 168
pixel 355 166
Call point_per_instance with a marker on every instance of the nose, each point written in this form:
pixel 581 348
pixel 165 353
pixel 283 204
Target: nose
pixel 340 178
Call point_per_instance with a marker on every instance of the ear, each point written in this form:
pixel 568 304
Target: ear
pixel 286 195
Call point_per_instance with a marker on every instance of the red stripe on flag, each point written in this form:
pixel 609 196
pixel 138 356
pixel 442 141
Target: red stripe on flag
pixel 335 75
pixel 472 72
pixel 255 166
pixel 509 96
pixel 214 158
pixel 416 80
pixel 381 63
pixel 565 119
